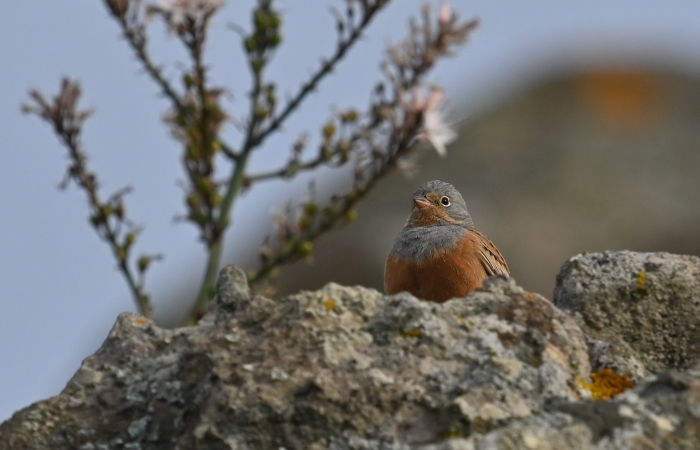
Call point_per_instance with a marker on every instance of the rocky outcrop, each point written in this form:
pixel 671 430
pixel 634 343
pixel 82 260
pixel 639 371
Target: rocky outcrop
pixel 348 368
pixel 662 413
pixel 641 311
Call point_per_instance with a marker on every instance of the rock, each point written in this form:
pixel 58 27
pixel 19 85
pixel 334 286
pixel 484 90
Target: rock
pixel 663 413
pixel 340 368
pixel 347 368
pixel 232 294
pixel 640 310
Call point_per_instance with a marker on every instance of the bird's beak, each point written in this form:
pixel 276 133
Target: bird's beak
pixel 421 202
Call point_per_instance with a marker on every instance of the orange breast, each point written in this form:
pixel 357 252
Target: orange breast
pixel 440 276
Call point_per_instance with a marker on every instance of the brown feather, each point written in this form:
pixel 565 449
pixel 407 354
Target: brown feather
pixel 490 257
pixel 398 276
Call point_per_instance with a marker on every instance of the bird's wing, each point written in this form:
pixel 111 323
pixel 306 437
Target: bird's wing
pixel 489 256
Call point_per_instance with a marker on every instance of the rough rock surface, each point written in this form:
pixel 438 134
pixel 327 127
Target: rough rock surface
pixel 347 368
pixel 339 368
pixel 662 413
pixel 640 310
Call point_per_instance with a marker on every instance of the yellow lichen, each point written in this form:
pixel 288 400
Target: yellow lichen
pixel 413 332
pixel 606 384
pixel 642 280
pixel 454 434
pixel 329 304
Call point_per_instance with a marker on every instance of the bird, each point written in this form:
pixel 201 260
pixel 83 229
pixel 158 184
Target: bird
pixel 439 255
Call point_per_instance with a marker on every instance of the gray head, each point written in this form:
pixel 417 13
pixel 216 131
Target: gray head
pixel 439 203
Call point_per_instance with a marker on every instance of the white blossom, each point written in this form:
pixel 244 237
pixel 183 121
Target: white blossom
pixel 435 129
pixel 178 11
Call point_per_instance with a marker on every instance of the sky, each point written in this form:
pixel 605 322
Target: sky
pixel 59 290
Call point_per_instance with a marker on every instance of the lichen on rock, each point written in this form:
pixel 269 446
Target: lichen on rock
pixel 640 310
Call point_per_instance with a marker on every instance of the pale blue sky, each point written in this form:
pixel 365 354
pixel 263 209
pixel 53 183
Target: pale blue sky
pixel 59 292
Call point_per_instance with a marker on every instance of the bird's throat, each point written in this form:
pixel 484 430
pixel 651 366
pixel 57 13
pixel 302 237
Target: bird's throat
pixel 428 216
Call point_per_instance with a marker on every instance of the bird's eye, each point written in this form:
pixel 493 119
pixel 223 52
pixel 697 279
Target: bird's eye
pixel 445 201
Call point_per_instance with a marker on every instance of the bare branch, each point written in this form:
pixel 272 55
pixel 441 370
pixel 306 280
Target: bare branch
pixel 107 217
pixel 369 11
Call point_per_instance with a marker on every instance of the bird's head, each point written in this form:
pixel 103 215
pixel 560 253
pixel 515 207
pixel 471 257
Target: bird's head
pixel 438 203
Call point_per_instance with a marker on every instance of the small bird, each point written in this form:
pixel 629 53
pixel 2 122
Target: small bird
pixel 439 254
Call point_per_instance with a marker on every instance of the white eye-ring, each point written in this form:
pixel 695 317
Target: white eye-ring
pixel 445 201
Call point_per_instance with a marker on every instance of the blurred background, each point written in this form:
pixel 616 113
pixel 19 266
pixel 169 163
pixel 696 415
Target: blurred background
pixel 578 131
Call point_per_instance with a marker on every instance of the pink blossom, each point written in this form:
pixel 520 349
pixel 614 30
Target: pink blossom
pixel 445 15
pixel 435 128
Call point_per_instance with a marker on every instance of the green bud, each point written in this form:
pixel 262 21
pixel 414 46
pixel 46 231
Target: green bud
pixel 119 211
pixel 325 152
pixel 192 152
pixel 143 263
pixel 250 43
pixel 193 202
pixel 349 116
pixel 351 215
pixel 216 198
pixel 310 209
pixel 304 248
pixel 260 20
pixel 261 112
pixel 274 40
pixel 305 223
pixel 198 218
pixel 329 130
pixel 257 64
pixel 205 186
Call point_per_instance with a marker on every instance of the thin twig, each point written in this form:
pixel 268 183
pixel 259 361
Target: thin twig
pixel 326 68
pixel 111 235
pixel 294 167
pixel 138 44
pixel 106 217
pixel 285 171
pixel 290 252
pixel 228 151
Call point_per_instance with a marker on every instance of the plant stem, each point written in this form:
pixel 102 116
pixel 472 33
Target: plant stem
pixel 232 191
pixel 205 289
pixel 140 299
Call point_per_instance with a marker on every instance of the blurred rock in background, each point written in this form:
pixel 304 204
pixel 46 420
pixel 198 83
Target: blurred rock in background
pixel 602 159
